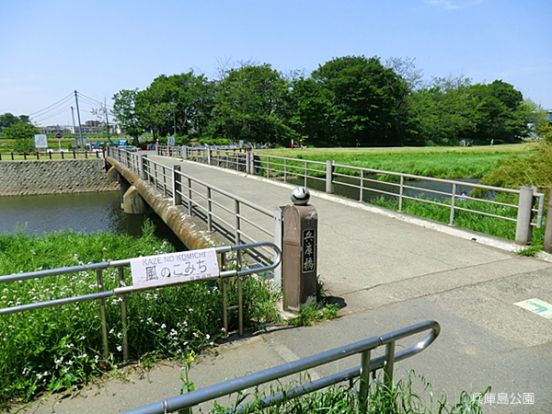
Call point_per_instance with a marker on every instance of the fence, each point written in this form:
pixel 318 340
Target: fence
pixel 363 371
pixel 123 289
pixel 235 218
pixel 50 155
pixel 390 189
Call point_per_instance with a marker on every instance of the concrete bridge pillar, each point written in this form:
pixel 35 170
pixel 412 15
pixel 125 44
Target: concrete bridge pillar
pixel 133 203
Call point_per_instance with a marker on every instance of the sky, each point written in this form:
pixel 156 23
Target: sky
pixel 49 48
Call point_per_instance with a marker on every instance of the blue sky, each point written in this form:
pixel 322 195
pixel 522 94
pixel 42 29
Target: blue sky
pixel 49 48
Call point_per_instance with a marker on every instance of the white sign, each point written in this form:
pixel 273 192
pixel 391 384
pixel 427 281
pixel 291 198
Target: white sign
pixel 171 140
pixel 41 141
pixel 170 268
pixel 540 307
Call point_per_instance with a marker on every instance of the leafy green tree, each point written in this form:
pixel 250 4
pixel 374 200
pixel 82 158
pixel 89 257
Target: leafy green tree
pixel 126 113
pixel 315 116
pixel 498 113
pixel 251 103
pixel 20 130
pixel 177 104
pixel 368 100
pixel 440 115
pixel 8 119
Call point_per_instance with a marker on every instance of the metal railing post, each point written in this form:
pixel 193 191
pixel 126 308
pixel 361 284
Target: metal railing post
pixel 124 325
pixel 224 295
pixel 305 174
pixel 189 196
pixel 209 210
pixel 401 192
pixel 285 171
pixel 248 155
pixel 267 167
pixel 209 155
pixel 143 172
pixel 237 238
pixel 329 176
pixel 103 320
pixel 164 169
pixel 523 223
pixel 177 187
pixel 185 152
pixel 548 228
pixel 452 204
pixel 364 378
pixel 361 192
pixel 389 364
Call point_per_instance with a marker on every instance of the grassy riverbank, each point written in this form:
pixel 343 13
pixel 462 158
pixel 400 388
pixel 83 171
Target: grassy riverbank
pixel 441 162
pixel 58 348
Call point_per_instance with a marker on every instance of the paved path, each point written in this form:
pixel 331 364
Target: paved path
pixel 390 273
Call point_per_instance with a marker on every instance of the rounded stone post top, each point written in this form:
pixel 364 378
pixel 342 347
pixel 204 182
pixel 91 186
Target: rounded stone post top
pixel 300 196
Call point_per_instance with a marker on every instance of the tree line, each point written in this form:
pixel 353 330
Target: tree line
pixel 347 101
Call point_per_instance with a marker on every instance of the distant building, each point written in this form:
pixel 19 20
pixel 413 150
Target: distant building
pixel 89 127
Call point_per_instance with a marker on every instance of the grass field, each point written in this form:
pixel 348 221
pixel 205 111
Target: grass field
pixel 442 162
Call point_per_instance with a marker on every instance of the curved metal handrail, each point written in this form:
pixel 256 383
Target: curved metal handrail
pixel 364 346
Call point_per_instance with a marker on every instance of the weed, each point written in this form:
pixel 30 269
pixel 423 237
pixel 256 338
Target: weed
pixel 530 251
pixel 413 394
pixel 57 348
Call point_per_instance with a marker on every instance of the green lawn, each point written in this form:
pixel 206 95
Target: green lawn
pixel 442 162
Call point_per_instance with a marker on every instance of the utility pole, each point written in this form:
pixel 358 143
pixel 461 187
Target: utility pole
pixel 106 119
pixel 78 117
pixel 73 116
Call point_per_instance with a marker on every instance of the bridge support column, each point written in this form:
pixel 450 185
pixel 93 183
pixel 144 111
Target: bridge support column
pixel 299 251
pixel 133 203
pixel 548 230
pixel 523 225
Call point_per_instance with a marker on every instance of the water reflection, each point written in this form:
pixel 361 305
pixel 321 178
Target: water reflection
pixel 83 212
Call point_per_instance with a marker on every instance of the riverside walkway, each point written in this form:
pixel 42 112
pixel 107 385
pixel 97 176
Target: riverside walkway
pixel 389 272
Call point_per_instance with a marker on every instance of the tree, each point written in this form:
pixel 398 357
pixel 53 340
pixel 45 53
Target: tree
pixel 251 105
pixel 20 130
pixel 8 119
pixel 126 113
pixel 368 100
pixel 177 104
pixel 314 116
pixel 499 114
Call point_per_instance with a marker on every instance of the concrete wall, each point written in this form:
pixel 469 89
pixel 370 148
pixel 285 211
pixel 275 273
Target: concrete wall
pixel 54 177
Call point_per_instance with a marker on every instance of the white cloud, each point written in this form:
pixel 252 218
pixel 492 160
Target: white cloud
pixel 453 4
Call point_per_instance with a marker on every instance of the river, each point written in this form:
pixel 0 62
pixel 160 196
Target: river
pixel 82 212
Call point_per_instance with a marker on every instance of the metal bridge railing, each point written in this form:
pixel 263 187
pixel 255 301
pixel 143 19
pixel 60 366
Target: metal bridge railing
pixel 235 218
pixel 367 366
pixel 370 183
pixel 387 187
pixel 123 289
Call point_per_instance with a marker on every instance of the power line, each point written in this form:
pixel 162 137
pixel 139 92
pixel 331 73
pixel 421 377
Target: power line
pixel 41 119
pixel 49 107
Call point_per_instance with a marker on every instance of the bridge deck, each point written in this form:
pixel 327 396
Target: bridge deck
pixel 364 256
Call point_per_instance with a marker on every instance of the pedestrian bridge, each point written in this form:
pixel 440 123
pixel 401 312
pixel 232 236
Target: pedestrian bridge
pixel 361 248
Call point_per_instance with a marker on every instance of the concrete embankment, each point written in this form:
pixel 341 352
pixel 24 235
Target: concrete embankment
pixel 54 177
